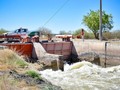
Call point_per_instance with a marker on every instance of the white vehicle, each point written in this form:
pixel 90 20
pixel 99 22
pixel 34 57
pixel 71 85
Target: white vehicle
pixel 23 32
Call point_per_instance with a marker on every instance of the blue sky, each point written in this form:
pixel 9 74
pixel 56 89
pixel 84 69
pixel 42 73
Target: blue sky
pixel 33 14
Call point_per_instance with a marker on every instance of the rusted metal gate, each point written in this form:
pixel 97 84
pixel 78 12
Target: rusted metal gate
pixel 20 48
pixel 60 48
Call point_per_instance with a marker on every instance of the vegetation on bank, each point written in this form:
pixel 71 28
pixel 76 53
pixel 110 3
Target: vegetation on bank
pixel 3 31
pixel 33 74
pixel 91 20
pixel 17 74
pixel 11 60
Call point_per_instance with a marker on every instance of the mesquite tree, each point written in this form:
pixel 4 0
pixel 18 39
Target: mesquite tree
pixel 91 20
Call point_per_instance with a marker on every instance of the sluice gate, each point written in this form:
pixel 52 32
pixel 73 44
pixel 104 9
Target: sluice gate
pixel 29 49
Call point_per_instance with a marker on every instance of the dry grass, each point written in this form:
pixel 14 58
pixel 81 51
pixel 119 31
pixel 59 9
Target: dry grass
pixel 10 60
pixel 7 83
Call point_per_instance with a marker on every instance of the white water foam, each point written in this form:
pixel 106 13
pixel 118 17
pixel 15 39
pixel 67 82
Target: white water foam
pixel 84 76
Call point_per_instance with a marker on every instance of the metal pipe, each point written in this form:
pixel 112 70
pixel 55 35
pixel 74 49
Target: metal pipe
pixel 106 53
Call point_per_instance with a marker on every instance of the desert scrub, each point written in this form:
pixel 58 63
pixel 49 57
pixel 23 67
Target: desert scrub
pixel 33 74
pixel 7 83
pixel 21 63
pixel 11 59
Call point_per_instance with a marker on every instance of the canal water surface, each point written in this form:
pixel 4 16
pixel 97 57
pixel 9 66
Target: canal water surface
pixel 84 76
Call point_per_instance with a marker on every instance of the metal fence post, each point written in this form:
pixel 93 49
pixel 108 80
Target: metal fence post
pixel 106 53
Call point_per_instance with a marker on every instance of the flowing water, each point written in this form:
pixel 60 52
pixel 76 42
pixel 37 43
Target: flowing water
pixel 84 76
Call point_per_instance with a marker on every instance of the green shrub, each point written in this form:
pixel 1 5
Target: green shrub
pixel 89 35
pixel 116 34
pixel 107 35
pixel 33 74
pixel 21 63
pixel 3 31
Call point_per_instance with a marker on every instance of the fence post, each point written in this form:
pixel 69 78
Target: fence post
pixel 106 53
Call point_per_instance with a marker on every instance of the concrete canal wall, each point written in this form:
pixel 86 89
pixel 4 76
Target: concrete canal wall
pixel 108 52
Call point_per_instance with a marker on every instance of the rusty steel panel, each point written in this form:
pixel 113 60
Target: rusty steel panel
pixel 66 52
pixel 15 47
pixel 44 46
pixel 50 46
pixel 26 47
pixel 58 46
pixel 10 36
pixel 22 49
pixel 50 51
pixel 28 54
pixel 67 46
pixel 59 52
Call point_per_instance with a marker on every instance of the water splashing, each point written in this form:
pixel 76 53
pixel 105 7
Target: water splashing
pixel 85 76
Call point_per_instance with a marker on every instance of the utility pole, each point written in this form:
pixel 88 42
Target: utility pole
pixel 100 23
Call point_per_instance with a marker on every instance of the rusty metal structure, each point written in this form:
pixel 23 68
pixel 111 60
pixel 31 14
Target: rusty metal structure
pixel 25 46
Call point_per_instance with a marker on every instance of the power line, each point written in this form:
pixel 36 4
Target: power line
pixel 56 12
